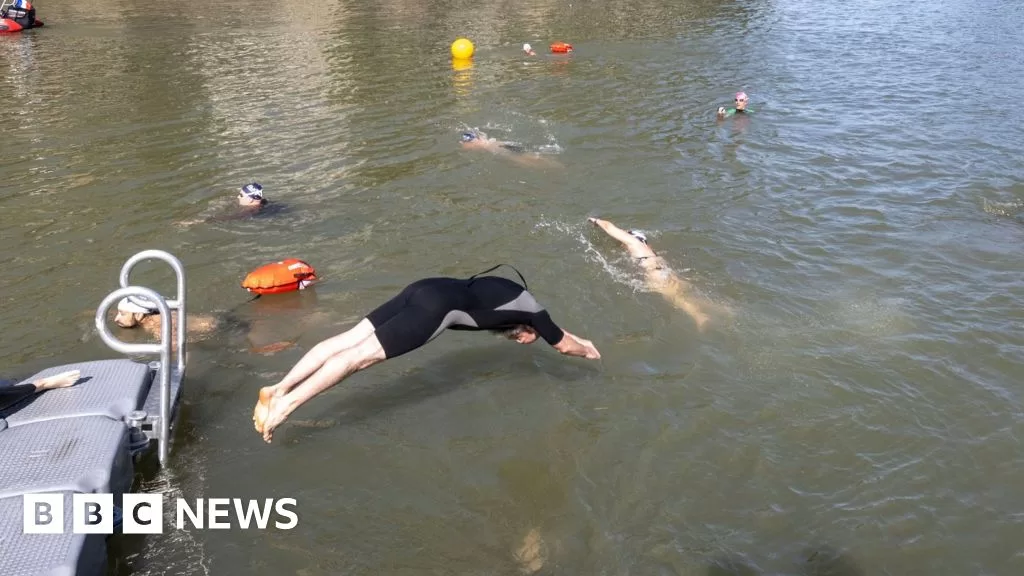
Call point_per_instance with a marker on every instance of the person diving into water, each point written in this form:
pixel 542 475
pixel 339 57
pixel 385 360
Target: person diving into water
pixel 417 315
pixel 659 276
pixel 478 140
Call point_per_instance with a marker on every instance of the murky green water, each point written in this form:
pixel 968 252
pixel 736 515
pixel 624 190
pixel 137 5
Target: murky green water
pixel 860 413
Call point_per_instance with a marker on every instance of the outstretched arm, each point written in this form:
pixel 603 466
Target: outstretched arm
pixel 636 248
pixel 560 339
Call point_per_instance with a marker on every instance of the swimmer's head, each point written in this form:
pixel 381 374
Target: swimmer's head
pixel 741 100
pixel 638 235
pixel 251 195
pixel 132 310
pixel 529 50
pixel 520 333
pixel 475 139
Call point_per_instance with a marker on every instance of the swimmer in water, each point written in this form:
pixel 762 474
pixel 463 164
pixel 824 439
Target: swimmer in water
pixel 417 315
pixel 741 107
pixel 478 140
pixel 138 312
pixel 12 393
pixel 659 276
pixel 251 196
pixel 251 202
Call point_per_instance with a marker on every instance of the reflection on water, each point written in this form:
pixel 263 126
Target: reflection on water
pixel 863 223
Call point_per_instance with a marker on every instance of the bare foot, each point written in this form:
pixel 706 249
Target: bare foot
pixel 275 416
pixel 62 380
pixel 259 414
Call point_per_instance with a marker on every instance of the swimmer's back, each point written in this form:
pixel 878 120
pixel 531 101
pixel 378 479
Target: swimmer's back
pixel 481 293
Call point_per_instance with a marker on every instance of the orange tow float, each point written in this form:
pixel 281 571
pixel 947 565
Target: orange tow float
pixel 285 276
pixel 561 48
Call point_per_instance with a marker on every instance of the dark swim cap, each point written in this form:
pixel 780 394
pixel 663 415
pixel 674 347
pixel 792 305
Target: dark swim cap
pixel 468 136
pixel 253 190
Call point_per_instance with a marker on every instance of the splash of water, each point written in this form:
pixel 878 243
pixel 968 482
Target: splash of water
pixel 1002 208
pixel 630 277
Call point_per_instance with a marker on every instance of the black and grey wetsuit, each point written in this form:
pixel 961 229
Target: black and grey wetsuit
pixel 11 392
pixel 427 307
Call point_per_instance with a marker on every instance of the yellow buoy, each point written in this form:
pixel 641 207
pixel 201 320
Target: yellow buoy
pixel 462 49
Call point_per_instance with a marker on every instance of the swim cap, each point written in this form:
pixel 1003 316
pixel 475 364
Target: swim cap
pixel 253 190
pixel 741 95
pixel 468 136
pixel 137 305
pixel 526 48
pixel 638 235
pixel 22 4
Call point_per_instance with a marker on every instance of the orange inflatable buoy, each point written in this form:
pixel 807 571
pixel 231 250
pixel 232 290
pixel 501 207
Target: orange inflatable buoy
pixel 284 276
pixel 561 48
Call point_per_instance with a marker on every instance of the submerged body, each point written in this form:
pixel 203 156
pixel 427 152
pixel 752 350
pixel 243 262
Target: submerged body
pixel 417 315
pixel 740 107
pixel 135 312
pixel 477 140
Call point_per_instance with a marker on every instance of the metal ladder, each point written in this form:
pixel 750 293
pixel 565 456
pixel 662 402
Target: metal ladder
pixel 156 418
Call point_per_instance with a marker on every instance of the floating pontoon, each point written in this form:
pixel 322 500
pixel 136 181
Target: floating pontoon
pixel 87 438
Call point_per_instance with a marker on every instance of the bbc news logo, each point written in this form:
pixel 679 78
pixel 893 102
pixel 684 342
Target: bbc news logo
pixel 144 514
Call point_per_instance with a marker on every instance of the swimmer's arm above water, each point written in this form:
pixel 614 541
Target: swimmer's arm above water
pixel 560 339
pixel 613 231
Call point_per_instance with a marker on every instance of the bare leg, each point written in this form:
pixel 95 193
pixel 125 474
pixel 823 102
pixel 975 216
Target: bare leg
pixel 332 372
pixel 10 395
pixel 308 365
pixel 62 380
pixel 677 297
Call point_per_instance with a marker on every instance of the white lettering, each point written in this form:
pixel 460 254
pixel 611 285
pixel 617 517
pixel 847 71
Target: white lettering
pixel 214 513
pixel 262 515
pixel 196 516
pixel 281 510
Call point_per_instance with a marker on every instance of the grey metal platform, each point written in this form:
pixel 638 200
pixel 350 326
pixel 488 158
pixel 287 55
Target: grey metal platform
pixel 47 554
pixel 85 438
pixel 111 388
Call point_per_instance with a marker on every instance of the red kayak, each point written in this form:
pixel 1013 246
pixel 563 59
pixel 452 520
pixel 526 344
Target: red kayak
pixel 8 25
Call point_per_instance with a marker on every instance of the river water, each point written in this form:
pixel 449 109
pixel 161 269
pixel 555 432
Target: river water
pixel 858 409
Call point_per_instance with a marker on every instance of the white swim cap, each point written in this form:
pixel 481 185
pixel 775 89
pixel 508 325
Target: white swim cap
pixel 638 235
pixel 137 305
pixel 526 48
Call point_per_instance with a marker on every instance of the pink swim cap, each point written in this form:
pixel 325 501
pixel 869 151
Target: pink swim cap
pixel 741 95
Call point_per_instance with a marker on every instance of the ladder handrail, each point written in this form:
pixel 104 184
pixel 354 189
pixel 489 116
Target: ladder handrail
pixel 163 348
pixel 176 304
